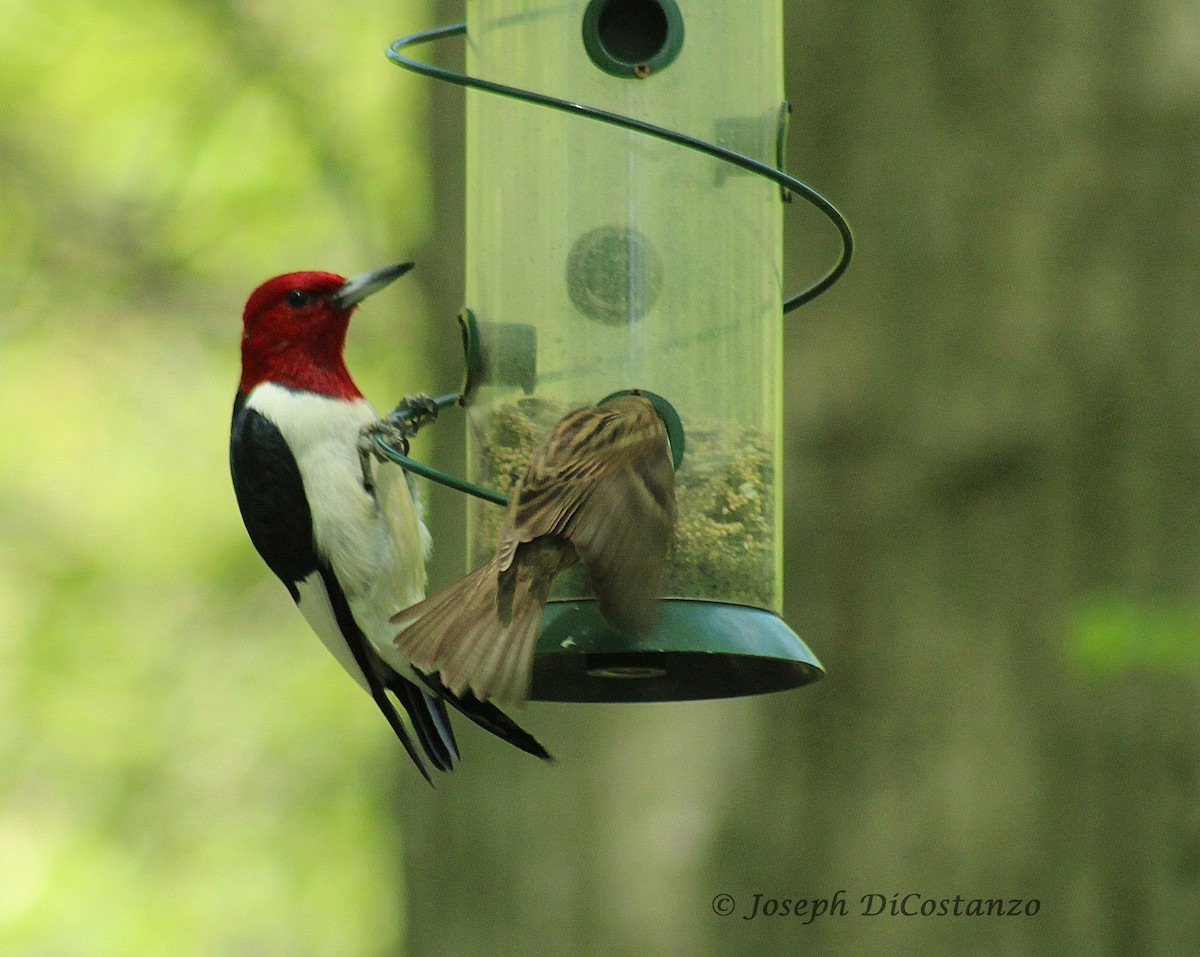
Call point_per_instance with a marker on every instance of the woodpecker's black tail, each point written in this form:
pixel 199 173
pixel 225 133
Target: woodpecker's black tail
pixel 429 720
pixel 490 718
pixel 426 714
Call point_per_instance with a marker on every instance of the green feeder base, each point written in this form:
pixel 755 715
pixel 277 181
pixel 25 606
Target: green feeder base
pixel 699 649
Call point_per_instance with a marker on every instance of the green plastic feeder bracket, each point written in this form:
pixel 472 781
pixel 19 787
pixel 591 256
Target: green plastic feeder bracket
pixel 698 650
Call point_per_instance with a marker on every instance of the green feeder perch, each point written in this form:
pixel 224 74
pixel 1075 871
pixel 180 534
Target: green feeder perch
pixel 600 257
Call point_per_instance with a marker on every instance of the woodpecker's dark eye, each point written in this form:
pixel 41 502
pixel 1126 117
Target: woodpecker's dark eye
pixel 298 298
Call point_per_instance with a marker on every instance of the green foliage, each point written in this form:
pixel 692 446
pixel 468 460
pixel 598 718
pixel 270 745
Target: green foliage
pixel 1114 636
pixel 185 770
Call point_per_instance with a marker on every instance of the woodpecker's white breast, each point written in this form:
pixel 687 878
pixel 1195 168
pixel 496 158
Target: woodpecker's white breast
pixel 377 544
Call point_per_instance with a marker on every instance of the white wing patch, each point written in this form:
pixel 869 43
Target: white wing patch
pixel 317 609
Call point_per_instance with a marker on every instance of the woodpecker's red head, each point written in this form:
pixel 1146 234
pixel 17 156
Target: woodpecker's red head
pixel 294 329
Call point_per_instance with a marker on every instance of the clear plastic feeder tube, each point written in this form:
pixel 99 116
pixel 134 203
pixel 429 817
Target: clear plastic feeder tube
pixel 600 259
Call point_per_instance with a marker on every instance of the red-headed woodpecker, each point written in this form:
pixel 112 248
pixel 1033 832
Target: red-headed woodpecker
pixel 351 551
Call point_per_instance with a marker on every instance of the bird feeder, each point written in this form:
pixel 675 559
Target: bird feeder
pixel 635 253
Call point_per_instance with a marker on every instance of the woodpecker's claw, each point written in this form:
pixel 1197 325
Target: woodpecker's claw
pixel 367 449
pixel 402 423
pixel 417 411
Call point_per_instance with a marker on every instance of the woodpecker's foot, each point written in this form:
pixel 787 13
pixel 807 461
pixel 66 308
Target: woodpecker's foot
pixel 393 432
pixel 366 448
pixel 401 424
pixel 366 451
pixel 417 411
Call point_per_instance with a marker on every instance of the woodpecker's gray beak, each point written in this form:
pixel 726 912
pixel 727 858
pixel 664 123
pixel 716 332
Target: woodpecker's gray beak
pixel 355 290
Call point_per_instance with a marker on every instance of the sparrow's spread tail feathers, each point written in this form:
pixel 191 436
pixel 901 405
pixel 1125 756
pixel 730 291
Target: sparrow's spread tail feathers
pixel 478 634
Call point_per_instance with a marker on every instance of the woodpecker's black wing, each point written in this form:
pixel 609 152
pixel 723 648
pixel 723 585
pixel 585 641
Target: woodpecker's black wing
pixel 270 496
pixel 428 715
pixel 275 510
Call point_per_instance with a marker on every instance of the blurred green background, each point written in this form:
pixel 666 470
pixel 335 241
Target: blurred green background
pixel 993 536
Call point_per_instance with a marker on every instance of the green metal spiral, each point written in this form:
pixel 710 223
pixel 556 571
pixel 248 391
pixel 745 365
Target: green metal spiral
pixel 385 449
pixel 740 160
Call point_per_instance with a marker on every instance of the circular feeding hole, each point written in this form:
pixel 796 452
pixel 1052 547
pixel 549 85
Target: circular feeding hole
pixel 632 38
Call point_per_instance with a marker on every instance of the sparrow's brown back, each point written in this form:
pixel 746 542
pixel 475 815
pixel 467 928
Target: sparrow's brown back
pixel 603 480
